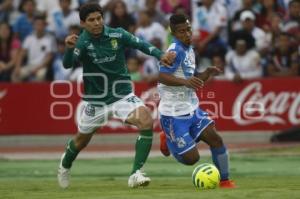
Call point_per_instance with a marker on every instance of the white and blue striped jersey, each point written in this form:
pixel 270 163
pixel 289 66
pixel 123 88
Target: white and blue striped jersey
pixel 178 100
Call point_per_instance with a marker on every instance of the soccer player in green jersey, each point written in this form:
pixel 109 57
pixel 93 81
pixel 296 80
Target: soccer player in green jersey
pixel 107 88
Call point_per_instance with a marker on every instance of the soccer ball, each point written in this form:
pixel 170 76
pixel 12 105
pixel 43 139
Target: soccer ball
pixel 206 176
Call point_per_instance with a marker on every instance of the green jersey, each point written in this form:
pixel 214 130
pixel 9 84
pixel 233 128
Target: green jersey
pixel 105 75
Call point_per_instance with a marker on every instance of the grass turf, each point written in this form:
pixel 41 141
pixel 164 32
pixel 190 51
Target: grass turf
pixel 259 175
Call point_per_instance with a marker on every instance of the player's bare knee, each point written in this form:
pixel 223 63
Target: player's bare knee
pixel 191 161
pixel 217 142
pixel 191 157
pixel 81 141
pixel 146 123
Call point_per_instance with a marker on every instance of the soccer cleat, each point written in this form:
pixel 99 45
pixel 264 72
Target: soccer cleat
pixel 163 144
pixel 63 175
pixel 229 184
pixel 138 179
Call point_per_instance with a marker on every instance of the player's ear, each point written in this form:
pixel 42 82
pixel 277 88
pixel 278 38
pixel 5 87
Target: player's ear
pixel 171 29
pixel 82 23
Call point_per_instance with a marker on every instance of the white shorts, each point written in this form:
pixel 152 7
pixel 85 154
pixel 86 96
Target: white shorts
pixel 92 117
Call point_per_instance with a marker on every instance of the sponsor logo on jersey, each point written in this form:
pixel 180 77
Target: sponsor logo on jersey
pixel 91 47
pixel 104 60
pixel 151 48
pixel 114 44
pixel 115 35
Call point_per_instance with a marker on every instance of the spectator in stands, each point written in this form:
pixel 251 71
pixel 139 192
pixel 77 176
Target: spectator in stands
pixel 9 48
pixel 275 28
pixel 155 13
pixel 59 21
pixel 269 9
pixel 291 24
pixel 243 62
pixel 5 10
pixel 120 17
pixel 24 23
pixel 39 48
pixel 284 61
pixel 148 29
pixel 133 66
pixel 133 6
pixel 168 6
pixel 262 42
pixel 210 27
pixel 232 6
pixel 49 6
pixel 218 60
pixel 236 23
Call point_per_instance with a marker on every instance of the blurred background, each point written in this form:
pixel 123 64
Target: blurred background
pixel 255 102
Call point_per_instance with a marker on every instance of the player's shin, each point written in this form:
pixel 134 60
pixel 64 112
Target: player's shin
pixel 71 153
pixel 142 149
pixel 221 160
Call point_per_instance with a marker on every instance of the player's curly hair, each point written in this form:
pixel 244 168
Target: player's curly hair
pixel 88 8
pixel 177 19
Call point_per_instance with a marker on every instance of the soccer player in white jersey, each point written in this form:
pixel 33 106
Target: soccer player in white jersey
pixel 184 124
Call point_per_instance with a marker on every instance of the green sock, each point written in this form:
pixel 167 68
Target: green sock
pixel 142 149
pixel 70 154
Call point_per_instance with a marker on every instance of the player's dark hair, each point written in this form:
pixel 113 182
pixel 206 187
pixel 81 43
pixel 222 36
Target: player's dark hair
pixel 177 19
pixel 89 8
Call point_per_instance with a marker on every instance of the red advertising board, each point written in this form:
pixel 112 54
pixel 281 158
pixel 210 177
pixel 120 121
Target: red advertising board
pixel 52 108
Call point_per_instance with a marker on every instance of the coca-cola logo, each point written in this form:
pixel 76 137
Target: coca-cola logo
pixel 253 106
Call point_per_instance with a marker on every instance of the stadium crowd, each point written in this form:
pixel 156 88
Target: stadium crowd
pixel 247 38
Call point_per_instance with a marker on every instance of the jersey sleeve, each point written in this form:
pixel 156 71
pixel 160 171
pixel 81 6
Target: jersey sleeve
pixel 73 56
pixel 132 41
pixel 178 60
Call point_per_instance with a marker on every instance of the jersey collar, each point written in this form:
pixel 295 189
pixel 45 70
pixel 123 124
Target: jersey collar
pixel 181 44
pixel 104 32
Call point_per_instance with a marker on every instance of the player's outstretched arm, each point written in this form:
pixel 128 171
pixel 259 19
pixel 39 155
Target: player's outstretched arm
pixel 171 80
pixel 209 72
pixel 69 59
pixel 168 58
pixel 132 41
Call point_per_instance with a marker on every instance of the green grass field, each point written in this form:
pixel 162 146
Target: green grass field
pixel 265 174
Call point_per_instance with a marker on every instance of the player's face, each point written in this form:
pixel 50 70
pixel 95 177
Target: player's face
pixel 93 23
pixel 183 32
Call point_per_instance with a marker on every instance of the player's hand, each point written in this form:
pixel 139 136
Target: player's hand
pixel 168 58
pixel 194 82
pixel 70 41
pixel 213 71
pixel 237 78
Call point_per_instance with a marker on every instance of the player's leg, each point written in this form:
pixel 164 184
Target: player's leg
pixel 163 144
pixel 219 154
pixel 132 110
pixel 90 119
pixel 142 119
pixel 73 147
pixel 179 141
